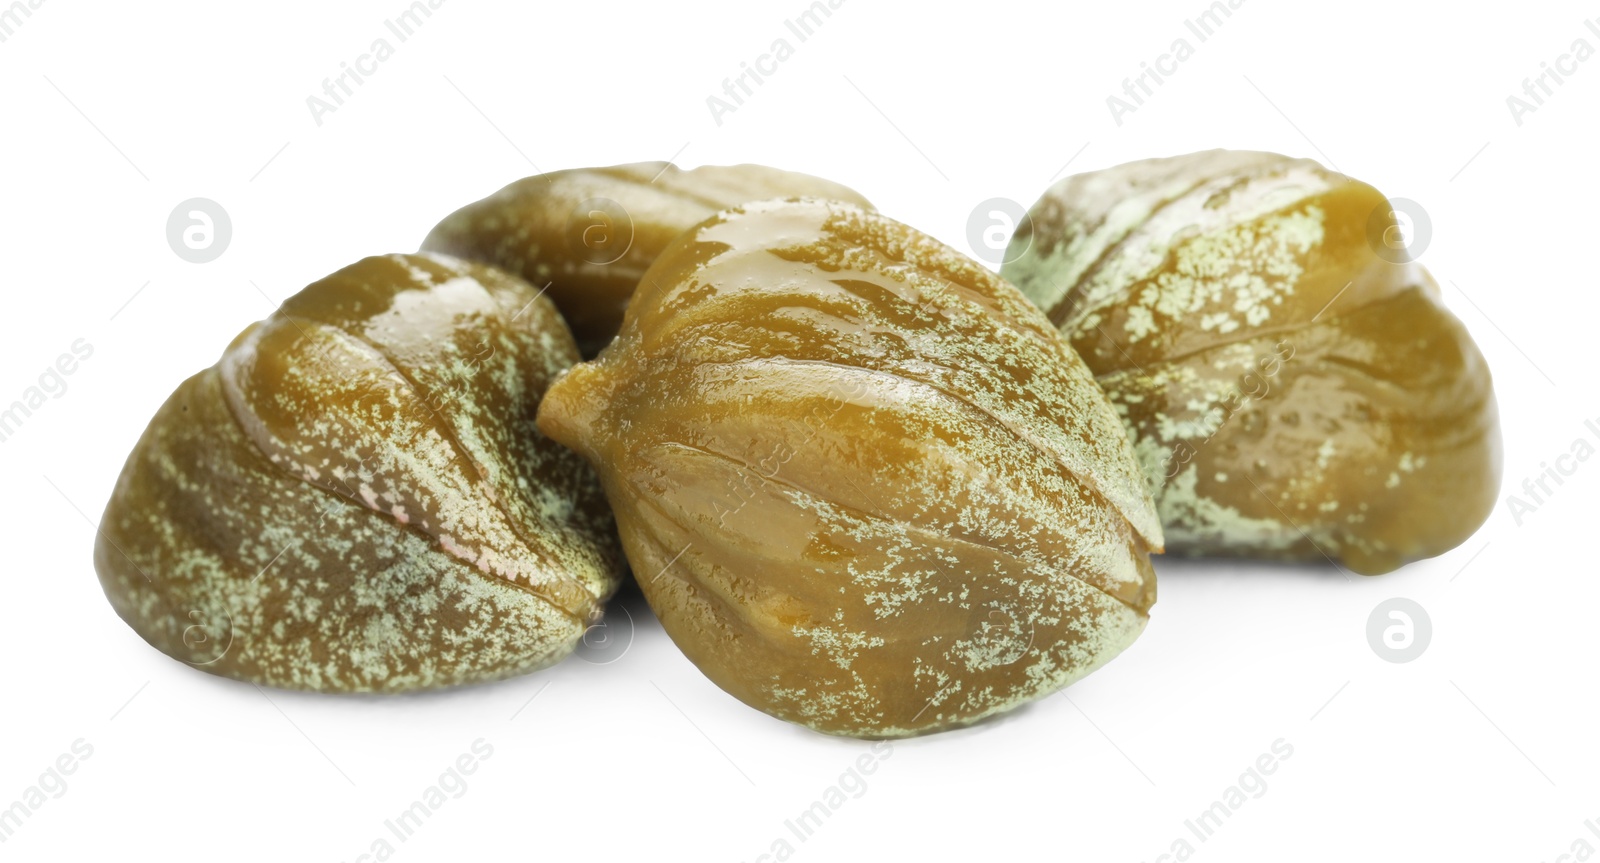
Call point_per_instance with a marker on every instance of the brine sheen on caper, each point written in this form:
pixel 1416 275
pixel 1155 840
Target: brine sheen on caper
pixel 356 496
pixel 863 482
pixel 587 235
pixel 1293 383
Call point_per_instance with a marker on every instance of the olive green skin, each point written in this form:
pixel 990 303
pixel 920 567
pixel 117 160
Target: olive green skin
pixel 864 484
pixel 1291 392
pixel 356 498
pixel 587 235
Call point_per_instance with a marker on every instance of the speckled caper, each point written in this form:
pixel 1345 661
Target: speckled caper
pixel 1294 385
pixel 588 234
pixel 862 480
pixel 356 497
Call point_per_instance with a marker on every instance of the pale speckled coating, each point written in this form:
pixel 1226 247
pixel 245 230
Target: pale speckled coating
pixel 863 482
pixel 1290 393
pixel 357 498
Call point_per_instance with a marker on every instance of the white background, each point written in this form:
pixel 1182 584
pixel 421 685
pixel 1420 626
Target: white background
pixel 1481 749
